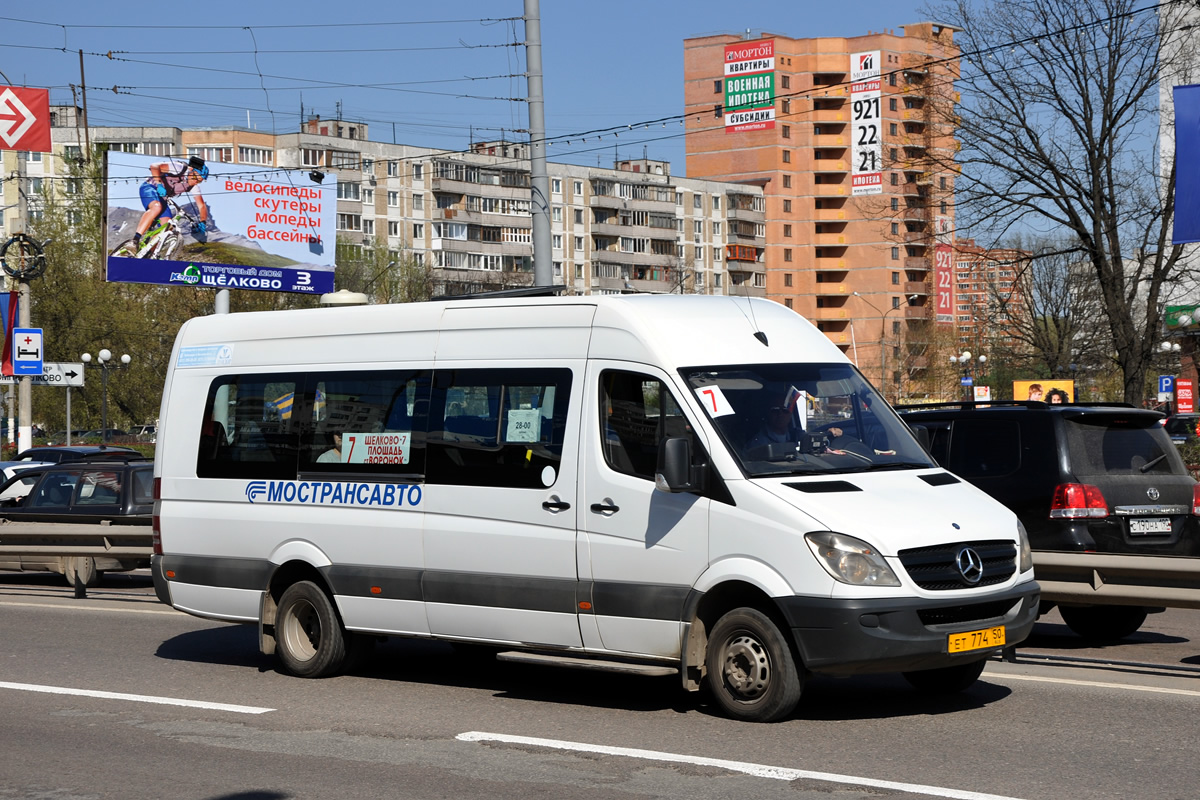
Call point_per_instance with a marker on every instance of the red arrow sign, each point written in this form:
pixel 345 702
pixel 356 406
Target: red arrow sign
pixel 24 119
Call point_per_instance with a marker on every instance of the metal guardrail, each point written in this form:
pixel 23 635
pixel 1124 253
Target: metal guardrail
pixel 72 539
pixel 1116 579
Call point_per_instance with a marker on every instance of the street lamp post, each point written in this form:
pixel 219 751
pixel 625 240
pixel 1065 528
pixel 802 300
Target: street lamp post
pixel 964 360
pixel 102 361
pixel 883 337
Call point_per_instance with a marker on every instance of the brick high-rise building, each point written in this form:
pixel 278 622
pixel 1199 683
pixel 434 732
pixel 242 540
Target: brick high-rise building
pixel 853 140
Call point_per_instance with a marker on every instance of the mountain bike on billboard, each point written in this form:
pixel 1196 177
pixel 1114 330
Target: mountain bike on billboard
pixel 162 240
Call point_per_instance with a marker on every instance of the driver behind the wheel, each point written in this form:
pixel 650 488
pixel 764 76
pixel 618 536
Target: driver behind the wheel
pixel 780 423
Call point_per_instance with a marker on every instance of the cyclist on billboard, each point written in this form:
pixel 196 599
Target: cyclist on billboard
pixel 165 182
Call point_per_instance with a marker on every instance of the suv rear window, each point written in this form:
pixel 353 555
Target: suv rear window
pixel 1107 446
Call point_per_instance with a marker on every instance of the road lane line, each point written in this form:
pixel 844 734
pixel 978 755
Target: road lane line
pixel 136 698
pixel 81 607
pixel 757 770
pixel 1094 684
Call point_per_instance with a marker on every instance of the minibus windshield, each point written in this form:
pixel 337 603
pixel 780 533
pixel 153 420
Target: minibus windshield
pixel 788 419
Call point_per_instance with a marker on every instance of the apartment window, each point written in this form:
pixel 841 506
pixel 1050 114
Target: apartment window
pixel 787 131
pixel 556 212
pixel 716 229
pixel 717 87
pixel 785 81
pixel 557 241
pixel 368 226
pixel 787 181
pixel 717 253
pixel 895 254
pixel 418 203
pixel 787 276
pixel 895 327
pixel 349 222
pixel 787 206
pixel 943 206
pixel 35 185
pixel 895 228
pixel 895 180
pixel 368 196
pixel 892 153
pixel 895 278
pixel 418 172
pixel 787 231
pixel 787 156
pixel 697 201
pixel 207 153
pixel 892 79
pixel 891 104
pixel 578 244
pixel 942 182
pixel 787 107
pixel 895 204
pixel 34 156
pixel 255 155
pixel 393 199
pixel 892 128
pixel 579 216
pixel 895 302
pixel 393 169
pixel 787 257
pixel 556 185
pixel 347 190
pixel 787 302
pixel 418 232
pixel 577 187
pixel 393 227
pixel 310 157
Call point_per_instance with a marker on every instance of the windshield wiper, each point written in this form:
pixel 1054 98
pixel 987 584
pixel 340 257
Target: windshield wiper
pixel 1149 464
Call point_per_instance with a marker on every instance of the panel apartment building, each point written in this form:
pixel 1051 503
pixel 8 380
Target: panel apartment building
pixel 631 228
pixel 854 211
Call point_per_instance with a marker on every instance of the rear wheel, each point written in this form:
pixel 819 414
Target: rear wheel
pixel 751 671
pixel 83 567
pixel 309 637
pixel 946 680
pixel 1103 623
pixel 126 249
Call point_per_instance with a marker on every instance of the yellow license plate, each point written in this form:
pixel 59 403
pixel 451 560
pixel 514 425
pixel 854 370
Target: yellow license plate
pixel 976 640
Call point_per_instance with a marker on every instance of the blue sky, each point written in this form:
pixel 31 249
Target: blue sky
pixel 435 83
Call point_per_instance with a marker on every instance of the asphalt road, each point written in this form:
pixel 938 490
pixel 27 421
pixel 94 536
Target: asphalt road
pixel 118 696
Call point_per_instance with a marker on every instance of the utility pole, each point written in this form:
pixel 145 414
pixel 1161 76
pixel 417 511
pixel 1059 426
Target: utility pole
pixel 543 264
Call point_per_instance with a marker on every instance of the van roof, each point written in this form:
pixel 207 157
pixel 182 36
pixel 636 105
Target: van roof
pixel 680 330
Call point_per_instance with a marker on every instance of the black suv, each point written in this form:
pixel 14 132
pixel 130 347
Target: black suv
pixel 119 494
pixel 1080 477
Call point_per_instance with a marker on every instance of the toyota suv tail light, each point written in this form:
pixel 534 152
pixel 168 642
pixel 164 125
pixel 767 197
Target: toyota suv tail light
pixel 1078 501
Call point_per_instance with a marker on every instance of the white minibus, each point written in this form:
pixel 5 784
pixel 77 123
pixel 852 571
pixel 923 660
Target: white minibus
pixel 701 486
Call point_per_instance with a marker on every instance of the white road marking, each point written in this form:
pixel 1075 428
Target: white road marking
pixel 82 607
pixel 757 770
pixel 136 698
pixel 1096 684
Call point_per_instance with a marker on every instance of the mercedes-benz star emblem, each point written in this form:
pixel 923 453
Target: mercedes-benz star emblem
pixel 970 565
pixel 1152 493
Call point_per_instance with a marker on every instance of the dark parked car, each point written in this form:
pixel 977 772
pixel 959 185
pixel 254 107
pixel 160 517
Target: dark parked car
pixel 1182 427
pixel 1096 478
pixel 117 493
pixel 59 455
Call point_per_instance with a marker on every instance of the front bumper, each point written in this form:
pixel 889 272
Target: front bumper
pixel 852 636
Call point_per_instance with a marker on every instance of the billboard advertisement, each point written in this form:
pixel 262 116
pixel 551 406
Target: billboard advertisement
pixel 184 222
pixel 866 176
pixel 750 86
pixel 1048 390
pixel 1187 164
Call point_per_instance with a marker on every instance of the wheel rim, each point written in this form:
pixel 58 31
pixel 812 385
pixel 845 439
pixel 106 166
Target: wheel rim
pixel 302 631
pixel 745 667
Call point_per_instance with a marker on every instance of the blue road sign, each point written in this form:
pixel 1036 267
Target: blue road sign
pixel 967 380
pixel 1166 383
pixel 27 351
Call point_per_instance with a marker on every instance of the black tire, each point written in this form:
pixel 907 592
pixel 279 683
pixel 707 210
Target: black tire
pixel 126 249
pixel 946 680
pixel 309 638
pixel 1103 623
pixel 751 671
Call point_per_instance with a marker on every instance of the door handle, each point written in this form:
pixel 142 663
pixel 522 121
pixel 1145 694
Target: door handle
pixel 556 505
pixel 604 508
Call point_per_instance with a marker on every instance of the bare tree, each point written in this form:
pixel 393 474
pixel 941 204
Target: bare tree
pixel 1058 129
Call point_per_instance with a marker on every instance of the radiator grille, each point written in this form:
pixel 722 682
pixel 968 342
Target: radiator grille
pixel 935 568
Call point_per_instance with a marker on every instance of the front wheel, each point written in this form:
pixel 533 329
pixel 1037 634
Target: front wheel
pixel 167 248
pixel 751 671
pixel 1103 623
pixel 309 637
pixel 946 680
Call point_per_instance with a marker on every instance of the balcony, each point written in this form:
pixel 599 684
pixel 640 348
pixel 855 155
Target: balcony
pixel 829 165
pixel 829 239
pixel 632 259
pixel 831 313
pixel 916 287
pixel 920 238
pixel 913 264
pixel 831 290
pixel 830 140
pixel 917 312
pixel 827 115
pixel 829 190
pixel 829 214
pixel 747 214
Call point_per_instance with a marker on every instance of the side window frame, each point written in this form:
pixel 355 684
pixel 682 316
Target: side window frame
pixel 624 421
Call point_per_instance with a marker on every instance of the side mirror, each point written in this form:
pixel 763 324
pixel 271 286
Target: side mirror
pixel 675 472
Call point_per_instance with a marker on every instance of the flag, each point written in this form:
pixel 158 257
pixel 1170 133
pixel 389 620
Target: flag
pixel 8 318
pixel 1187 164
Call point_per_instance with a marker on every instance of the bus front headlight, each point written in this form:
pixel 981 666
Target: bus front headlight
pixel 850 560
pixel 1024 551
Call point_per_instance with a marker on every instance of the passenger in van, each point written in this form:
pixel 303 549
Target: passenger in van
pixel 777 427
pixel 333 454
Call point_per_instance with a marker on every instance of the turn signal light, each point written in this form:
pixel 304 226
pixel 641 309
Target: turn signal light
pixel 1078 501
pixel 1196 500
